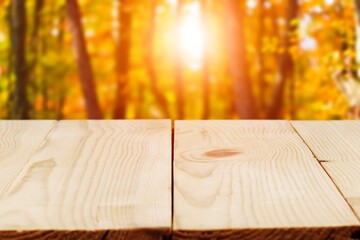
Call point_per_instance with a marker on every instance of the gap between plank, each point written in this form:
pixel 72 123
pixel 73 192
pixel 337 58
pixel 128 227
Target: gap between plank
pixel 172 175
pixel 320 163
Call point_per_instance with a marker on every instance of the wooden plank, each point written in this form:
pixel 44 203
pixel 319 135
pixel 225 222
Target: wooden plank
pixel 346 176
pixel 252 180
pixel 104 179
pixel 331 140
pixel 19 140
pixel 336 145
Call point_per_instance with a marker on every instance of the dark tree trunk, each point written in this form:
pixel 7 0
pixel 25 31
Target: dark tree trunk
pixel 20 108
pixel 353 47
pixel 42 88
pixel 60 43
pixel 83 60
pixel 206 59
pixel 180 103
pixel 357 10
pixel 122 52
pixel 37 19
pixel 260 57
pixel 159 97
pixel 285 62
pixel 245 104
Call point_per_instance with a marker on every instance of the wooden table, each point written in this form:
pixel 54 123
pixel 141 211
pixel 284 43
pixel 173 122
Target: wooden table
pixel 230 179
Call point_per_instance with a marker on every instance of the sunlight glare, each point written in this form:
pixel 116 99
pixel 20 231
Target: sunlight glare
pixel 54 32
pixel 251 3
pixel 172 2
pixel 267 4
pixel 329 2
pixel 191 37
pixel 2 37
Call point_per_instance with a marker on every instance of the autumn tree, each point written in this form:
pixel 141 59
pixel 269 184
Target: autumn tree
pixel 18 40
pixel 39 4
pixel 260 58
pixel 357 11
pixel 286 64
pixel 83 60
pixel 122 55
pixel 62 87
pixel 205 60
pixel 34 43
pixel 247 59
pixel 245 104
pixel 347 77
pixel 179 85
pixel 150 61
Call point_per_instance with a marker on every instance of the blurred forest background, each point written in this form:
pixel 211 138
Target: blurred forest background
pixel 180 59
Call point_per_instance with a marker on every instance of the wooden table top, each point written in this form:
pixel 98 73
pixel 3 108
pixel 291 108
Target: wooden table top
pixel 213 179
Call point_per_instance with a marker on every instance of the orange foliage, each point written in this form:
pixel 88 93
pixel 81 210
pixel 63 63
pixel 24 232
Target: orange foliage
pixel 322 46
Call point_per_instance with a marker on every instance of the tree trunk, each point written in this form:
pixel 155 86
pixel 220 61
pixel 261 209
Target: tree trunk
pixel 206 59
pixel 60 44
pixel 244 98
pixel 356 47
pixel 37 18
pixel 83 60
pixel 285 62
pixel 357 11
pixel 260 57
pixel 38 88
pixel 159 97
pixel 178 64
pixel 20 108
pixel 122 52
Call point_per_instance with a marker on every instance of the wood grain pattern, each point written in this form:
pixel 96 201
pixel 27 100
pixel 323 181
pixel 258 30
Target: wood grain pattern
pixel 251 175
pixel 94 175
pixel 19 140
pixel 336 144
pixel 331 140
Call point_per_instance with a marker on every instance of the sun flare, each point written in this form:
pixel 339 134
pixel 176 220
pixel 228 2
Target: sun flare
pixel 191 36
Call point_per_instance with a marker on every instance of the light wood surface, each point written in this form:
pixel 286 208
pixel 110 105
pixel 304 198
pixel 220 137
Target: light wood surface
pixel 111 179
pixel 249 176
pixel 337 146
pixel 19 140
pixel 93 175
pixel 331 140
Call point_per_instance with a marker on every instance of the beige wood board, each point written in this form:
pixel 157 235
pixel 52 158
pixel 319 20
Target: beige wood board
pixel 19 140
pixel 234 174
pixel 331 140
pixel 337 146
pixel 94 175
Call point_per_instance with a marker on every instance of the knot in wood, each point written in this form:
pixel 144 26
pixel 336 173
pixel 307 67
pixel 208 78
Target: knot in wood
pixel 220 153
